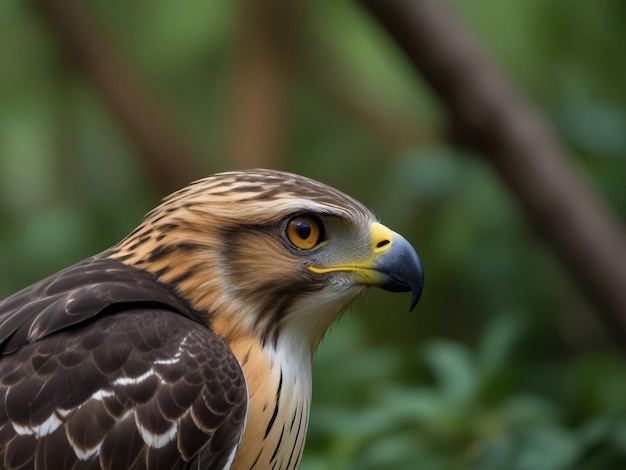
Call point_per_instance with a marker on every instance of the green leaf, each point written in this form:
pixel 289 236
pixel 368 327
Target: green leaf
pixel 497 342
pixel 455 369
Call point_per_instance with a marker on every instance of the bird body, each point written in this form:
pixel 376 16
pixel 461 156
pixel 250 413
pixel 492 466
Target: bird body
pixel 189 343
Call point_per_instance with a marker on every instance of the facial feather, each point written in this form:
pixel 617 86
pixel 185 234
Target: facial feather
pixel 220 242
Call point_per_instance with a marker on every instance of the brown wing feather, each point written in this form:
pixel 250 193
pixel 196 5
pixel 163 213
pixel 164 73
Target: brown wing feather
pixel 77 293
pixel 140 388
pixel 110 369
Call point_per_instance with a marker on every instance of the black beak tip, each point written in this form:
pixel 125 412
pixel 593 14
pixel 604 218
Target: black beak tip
pixel 414 281
pixel 403 270
pixel 416 293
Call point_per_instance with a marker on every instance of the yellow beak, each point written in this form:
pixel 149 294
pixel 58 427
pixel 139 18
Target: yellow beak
pixel 393 264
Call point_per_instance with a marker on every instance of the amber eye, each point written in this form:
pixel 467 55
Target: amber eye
pixel 304 231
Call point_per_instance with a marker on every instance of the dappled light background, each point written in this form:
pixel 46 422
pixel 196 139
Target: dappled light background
pixel 504 363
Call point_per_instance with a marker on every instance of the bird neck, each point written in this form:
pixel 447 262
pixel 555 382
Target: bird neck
pixel 279 386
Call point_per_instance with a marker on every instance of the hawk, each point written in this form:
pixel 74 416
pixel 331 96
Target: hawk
pixel 189 343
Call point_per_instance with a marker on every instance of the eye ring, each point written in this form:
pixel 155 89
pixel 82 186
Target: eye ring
pixel 304 231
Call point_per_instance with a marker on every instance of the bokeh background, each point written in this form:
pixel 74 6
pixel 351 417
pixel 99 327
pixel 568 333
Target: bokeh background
pixel 504 364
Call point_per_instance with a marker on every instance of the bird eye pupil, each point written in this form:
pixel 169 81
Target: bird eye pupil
pixel 304 232
pixel 303 229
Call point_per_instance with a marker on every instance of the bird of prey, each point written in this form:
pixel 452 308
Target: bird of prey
pixel 189 343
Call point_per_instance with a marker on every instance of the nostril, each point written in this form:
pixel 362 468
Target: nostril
pixel 382 243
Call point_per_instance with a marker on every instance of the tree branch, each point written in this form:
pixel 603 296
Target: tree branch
pixel 488 116
pixel 255 131
pixel 166 156
pixel 388 124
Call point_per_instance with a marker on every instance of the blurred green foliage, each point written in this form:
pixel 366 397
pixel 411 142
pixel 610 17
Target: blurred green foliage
pixel 503 365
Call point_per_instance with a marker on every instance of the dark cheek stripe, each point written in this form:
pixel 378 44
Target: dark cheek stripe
pixel 279 301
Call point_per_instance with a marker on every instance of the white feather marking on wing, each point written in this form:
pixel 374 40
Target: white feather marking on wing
pixel 100 395
pixel 22 430
pixel 157 440
pixel 47 427
pixel 86 454
pixel 231 457
pixel 178 354
pixel 133 380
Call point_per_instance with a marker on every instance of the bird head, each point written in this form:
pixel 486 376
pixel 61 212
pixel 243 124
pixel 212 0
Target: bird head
pixel 263 251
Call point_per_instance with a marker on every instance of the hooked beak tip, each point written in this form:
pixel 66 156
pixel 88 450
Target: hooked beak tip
pixel 402 269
